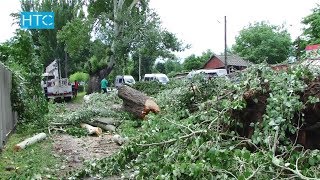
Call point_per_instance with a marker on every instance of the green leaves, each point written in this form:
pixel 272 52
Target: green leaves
pixel 77 131
pixel 262 42
pixel 219 152
pixel 76 36
pixel 312 31
pixel 26 95
pixel 194 62
pixel 79 76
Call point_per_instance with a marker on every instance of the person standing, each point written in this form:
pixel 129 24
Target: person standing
pixel 104 85
pixel 76 87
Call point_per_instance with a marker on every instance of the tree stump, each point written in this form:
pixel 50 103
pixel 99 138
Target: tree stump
pixel 136 102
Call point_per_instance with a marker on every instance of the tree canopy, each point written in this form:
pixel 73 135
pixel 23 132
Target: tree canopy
pixel 130 31
pixel 312 29
pixel 261 42
pixel 311 33
pixel 49 48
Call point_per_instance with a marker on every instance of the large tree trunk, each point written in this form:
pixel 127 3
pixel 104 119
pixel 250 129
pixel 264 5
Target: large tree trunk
pixel 94 81
pixel 93 84
pixel 136 102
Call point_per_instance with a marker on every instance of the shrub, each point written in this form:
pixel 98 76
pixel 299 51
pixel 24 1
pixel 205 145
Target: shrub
pixel 149 87
pixel 79 76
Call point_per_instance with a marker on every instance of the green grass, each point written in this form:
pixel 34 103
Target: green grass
pixel 36 160
pixel 79 98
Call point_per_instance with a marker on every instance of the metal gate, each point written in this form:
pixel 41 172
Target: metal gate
pixel 8 119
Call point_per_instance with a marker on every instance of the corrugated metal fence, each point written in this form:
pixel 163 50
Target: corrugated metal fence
pixel 8 119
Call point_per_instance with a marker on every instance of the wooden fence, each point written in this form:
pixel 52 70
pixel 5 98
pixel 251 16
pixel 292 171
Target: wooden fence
pixel 8 119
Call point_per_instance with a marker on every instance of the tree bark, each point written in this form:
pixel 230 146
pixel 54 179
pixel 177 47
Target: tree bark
pixel 94 81
pixel 30 141
pixel 110 128
pixel 136 102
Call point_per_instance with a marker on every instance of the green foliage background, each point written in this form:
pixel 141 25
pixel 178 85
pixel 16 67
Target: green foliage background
pixel 27 95
pixel 262 42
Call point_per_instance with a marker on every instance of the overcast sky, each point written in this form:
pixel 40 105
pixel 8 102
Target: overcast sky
pixel 196 22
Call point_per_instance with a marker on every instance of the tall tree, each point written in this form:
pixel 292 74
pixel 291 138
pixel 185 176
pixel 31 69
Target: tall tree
pixel 312 22
pixel 112 18
pixel 261 42
pixel 160 67
pixel 49 48
pixel 128 27
pixel 76 35
pixel 173 65
pixel 311 33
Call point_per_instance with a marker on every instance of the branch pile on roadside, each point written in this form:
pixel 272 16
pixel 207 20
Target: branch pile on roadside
pixel 226 129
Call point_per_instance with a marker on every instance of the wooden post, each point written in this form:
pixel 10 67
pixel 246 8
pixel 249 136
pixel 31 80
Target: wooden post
pixel 225 44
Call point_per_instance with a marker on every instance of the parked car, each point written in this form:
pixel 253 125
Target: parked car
pixel 124 79
pixel 209 73
pixel 162 78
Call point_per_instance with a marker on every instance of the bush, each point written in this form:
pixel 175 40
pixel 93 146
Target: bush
pixel 79 76
pixel 149 87
pixel 27 95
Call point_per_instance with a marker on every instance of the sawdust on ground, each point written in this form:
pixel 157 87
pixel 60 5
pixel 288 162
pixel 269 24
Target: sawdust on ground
pixel 75 151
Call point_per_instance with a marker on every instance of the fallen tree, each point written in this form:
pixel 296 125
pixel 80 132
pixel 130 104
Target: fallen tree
pixel 136 102
pixel 29 141
pixel 240 129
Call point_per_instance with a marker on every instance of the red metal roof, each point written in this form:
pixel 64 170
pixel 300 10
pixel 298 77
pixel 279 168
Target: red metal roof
pixel 312 47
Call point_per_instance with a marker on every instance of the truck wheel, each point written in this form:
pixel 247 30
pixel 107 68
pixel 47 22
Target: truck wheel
pixel 67 99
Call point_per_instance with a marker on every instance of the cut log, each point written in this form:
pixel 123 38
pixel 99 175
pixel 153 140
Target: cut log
pixel 136 102
pixel 110 128
pixel 30 141
pixel 91 129
pixel 106 121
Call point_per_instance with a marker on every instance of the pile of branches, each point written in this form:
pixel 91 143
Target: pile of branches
pixel 224 129
pixel 93 111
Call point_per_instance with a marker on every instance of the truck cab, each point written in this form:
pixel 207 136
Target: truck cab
pixel 54 86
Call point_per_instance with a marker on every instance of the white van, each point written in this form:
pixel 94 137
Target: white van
pixel 208 72
pixel 162 78
pixel 124 79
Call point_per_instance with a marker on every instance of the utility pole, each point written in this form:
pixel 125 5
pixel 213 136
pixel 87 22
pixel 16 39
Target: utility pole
pixel 225 43
pixel 298 49
pixel 139 66
pixel 59 68
pixel 65 63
